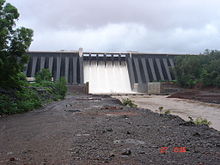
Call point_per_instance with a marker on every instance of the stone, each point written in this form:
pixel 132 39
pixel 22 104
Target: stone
pixel 126 152
pixel 12 159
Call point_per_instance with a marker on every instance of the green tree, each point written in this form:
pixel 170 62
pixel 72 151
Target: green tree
pixel 211 71
pixel 188 70
pixel 14 43
pixel 203 69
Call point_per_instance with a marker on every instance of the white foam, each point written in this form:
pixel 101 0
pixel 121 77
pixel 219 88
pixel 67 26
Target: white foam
pixel 107 78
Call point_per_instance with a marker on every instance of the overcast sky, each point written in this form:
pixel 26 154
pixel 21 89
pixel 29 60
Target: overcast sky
pixel 166 26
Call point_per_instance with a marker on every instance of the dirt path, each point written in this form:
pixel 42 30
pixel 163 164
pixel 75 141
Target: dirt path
pixel 98 130
pixel 181 107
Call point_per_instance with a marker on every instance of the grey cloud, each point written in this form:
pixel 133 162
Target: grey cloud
pixel 94 13
pixel 176 26
pixel 125 37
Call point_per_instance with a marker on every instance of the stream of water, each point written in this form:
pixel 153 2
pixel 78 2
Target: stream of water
pixel 109 77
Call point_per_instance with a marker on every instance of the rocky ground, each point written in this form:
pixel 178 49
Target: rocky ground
pixel 99 130
pixel 180 107
pixel 208 95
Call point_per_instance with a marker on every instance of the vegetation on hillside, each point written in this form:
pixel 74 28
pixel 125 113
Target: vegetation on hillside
pixel 31 95
pixel 57 88
pixel 16 94
pixel 202 70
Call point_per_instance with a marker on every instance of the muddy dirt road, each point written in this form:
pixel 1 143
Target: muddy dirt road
pixel 180 107
pixel 99 130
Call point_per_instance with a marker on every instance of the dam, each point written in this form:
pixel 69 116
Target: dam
pixel 105 72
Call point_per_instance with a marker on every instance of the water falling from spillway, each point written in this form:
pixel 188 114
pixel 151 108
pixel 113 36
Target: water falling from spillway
pixel 109 77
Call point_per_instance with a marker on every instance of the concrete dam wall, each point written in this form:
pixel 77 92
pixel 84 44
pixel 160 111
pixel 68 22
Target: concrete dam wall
pixel 60 64
pixel 105 72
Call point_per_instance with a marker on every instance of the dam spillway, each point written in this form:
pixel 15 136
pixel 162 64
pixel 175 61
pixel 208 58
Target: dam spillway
pixel 107 77
pixel 105 72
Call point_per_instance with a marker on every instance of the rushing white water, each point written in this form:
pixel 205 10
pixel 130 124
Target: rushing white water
pixel 109 78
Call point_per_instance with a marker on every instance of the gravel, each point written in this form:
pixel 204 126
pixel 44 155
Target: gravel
pixel 99 130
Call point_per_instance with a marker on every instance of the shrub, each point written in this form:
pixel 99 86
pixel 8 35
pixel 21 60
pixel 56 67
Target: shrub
pixel 43 75
pixel 28 99
pixel 7 104
pixel 160 110
pixel 22 81
pixel 61 87
pixel 202 121
pixel 43 79
pixel 129 103
pixel 167 112
pixel 19 101
pixel 58 88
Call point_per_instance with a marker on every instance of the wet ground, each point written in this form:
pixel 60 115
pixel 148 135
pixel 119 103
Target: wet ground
pixel 99 130
pixel 181 107
pixel 208 95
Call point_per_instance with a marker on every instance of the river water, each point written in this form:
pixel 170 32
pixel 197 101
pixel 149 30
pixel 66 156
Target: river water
pixel 181 107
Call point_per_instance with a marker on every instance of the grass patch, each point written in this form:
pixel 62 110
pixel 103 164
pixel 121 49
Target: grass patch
pixel 129 103
pixel 167 112
pixel 202 121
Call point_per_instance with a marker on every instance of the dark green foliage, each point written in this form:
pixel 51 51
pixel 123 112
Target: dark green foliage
pixel 188 70
pixel 201 69
pixel 30 96
pixel 211 73
pixel 14 42
pixel 28 99
pixel 7 104
pixel 19 101
pixel 22 81
pixel 44 75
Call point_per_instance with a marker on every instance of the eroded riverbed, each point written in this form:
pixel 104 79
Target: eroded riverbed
pixel 181 107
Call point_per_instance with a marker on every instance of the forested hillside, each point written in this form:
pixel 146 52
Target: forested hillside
pixel 202 70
